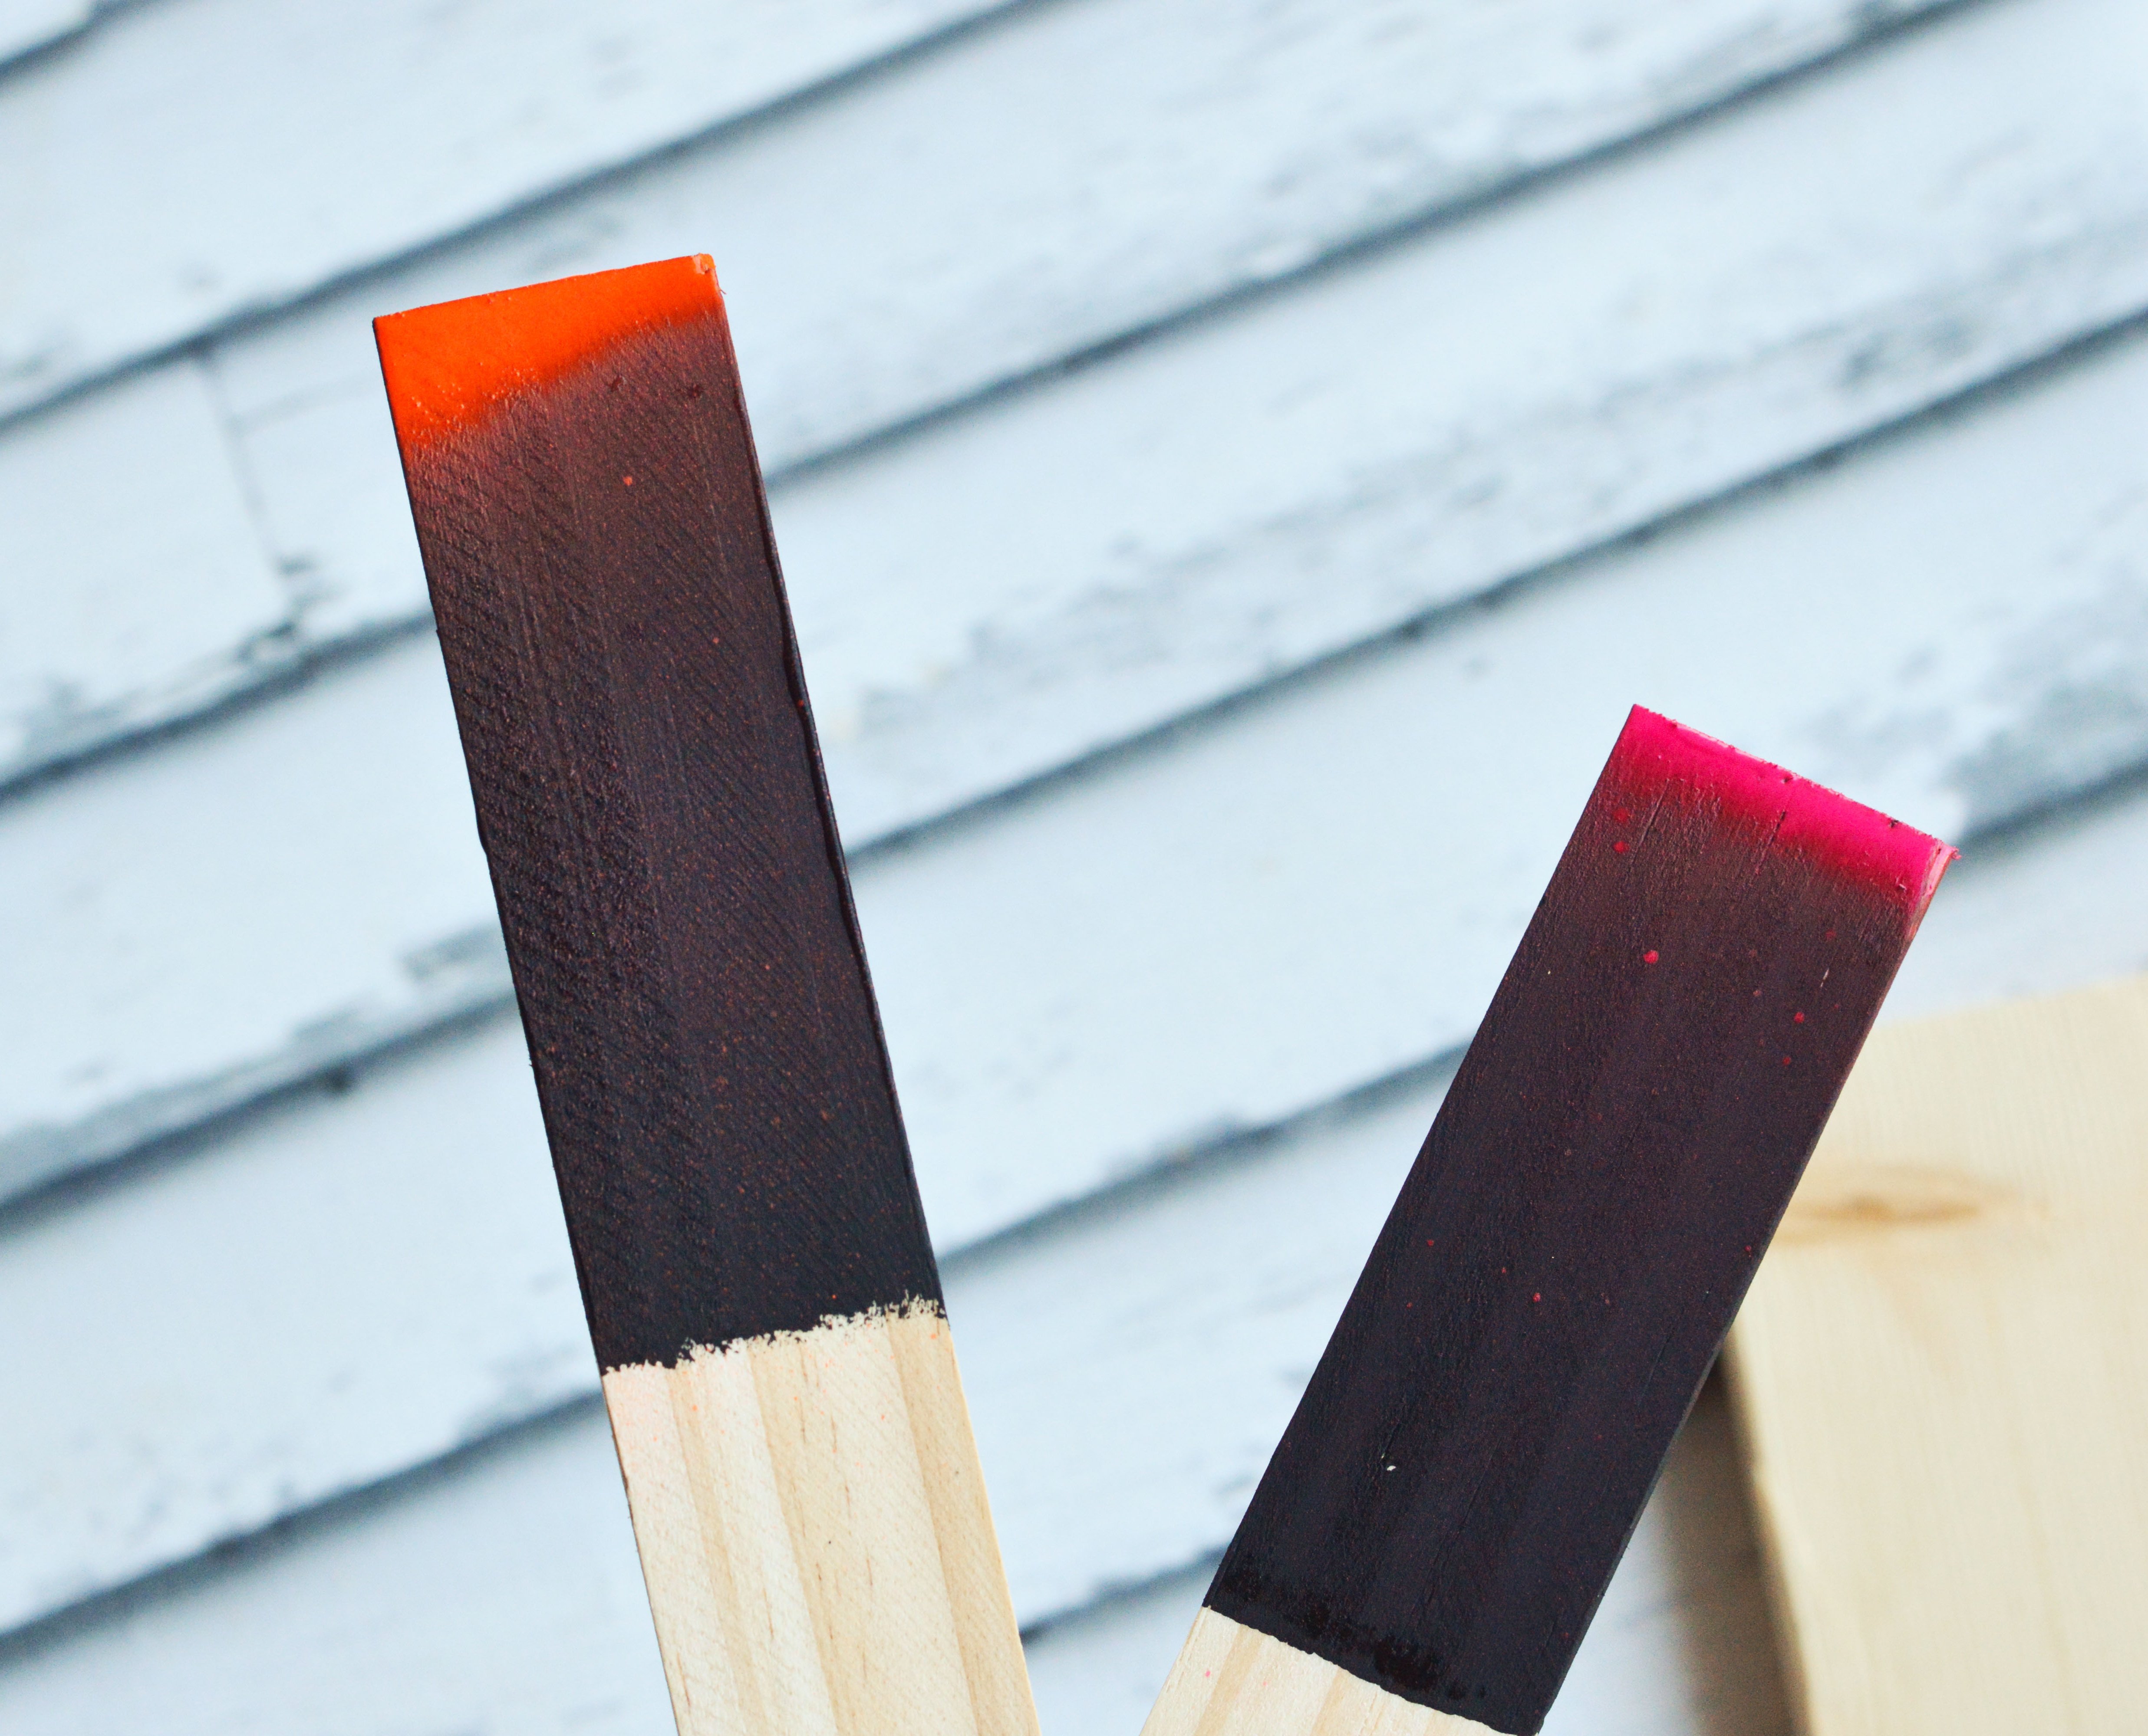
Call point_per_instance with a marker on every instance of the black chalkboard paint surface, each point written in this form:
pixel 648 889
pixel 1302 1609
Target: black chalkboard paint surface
pixel 1434 1534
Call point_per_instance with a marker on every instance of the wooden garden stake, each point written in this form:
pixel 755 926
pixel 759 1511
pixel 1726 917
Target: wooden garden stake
pixel 1434 1534
pixel 752 1252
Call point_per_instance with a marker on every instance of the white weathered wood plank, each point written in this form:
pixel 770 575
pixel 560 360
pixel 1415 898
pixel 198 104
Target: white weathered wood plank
pixel 99 634
pixel 341 814
pixel 26 25
pixel 1128 1364
pixel 1250 495
pixel 1078 982
pixel 222 1084
pixel 1062 569
pixel 1145 157
pixel 497 1595
pixel 251 152
pixel 277 1325
pixel 1096 1673
pixel 1177 1317
pixel 186 163
pixel 1098 968
pixel 1180 1324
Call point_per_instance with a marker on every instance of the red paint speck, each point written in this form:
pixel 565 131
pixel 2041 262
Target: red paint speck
pixel 1797 1018
pixel 1538 1297
pixel 1650 956
pixel 1786 1060
pixel 628 481
pixel 1620 846
pixel 1621 815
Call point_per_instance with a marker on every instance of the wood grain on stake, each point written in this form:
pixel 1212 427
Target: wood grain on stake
pixel 1943 1375
pixel 752 1253
pixel 1436 1527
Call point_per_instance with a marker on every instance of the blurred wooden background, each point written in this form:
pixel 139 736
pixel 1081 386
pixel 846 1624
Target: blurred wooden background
pixel 1236 461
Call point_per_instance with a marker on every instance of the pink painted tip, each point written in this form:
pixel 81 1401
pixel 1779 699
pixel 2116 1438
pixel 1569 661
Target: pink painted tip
pixel 1846 836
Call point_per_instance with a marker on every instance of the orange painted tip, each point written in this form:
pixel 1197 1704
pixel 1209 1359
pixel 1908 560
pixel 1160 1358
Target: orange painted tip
pixel 449 365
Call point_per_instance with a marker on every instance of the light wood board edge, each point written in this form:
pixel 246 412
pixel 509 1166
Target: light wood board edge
pixel 1938 1381
pixel 1232 1680
pixel 814 1536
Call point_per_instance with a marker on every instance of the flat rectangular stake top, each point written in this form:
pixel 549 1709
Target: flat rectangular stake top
pixel 1478 1439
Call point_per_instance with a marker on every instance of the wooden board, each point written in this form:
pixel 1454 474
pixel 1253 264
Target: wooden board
pixel 1942 1375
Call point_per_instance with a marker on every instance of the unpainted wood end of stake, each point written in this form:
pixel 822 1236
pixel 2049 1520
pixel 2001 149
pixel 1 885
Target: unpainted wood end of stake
pixel 1236 1681
pixel 812 1524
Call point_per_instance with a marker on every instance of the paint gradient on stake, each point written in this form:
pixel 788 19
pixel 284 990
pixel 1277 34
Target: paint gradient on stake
pixel 1433 1535
pixel 753 1256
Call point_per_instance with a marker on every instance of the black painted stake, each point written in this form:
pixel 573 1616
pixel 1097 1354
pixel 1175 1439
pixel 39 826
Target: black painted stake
pixel 1473 1452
